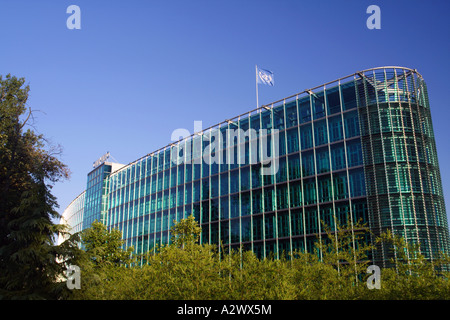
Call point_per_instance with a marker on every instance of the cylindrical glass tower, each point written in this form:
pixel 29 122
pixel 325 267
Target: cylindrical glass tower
pixel 404 189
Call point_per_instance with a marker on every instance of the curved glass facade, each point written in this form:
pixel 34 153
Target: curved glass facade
pixel 360 148
pixel 404 189
pixel 73 215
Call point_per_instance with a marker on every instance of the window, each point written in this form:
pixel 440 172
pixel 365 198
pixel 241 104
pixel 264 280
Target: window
pixel 297 222
pixel 266 121
pixel 246 230
pixel 256 201
pixel 234 206
pixel 258 227
pixel 320 133
pixel 340 186
pixel 322 160
pixel 291 114
pixel 311 220
pixel 283 224
pixel 245 178
pixel 214 186
pixel 205 211
pixel 333 101
pixel 224 232
pixel 256 176
pixel 245 204
pixel 234 181
pixel 187 193
pixel 308 163
pixel 306 137
pixel 351 124
pixel 235 232
pixel 255 121
pixel 281 145
pixel 224 208
pixel 292 140
pixel 281 175
pixel 282 197
pixel 295 190
pixel 305 110
pixel 327 216
pixel 335 127
pixel 214 209
pixel 357 183
pixel 196 191
pixel 309 188
pixel 318 105
pixel 294 166
pixel 325 189
pixel 278 118
pixel 205 189
pixel 269 225
pixel 224 184
pixel 354 153
pixel 337 157
pixel 269 201
pixel 348 96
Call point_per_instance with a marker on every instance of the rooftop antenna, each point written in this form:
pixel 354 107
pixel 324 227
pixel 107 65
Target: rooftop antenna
pixel 114 159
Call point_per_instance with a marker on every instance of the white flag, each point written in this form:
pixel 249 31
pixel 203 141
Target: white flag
pixel 265 77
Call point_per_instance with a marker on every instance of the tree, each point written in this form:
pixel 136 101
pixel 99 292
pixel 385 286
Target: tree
pixel 102 263
pixel 184 269
pixel 30 262
pixel 412 276
pixel 185 232
pixel 104 247
pixel 188 270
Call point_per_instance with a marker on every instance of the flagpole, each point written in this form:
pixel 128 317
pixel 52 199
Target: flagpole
pixel 256 73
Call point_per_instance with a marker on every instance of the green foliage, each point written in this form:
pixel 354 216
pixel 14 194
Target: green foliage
pixel 188 270
pixel 105 247
pixel 412 276
pixel 30 262
pixel 185 232
pixel 103 261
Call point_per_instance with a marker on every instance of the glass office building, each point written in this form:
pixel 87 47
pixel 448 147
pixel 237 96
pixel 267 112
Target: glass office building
pixel 73 215
pixel 360 148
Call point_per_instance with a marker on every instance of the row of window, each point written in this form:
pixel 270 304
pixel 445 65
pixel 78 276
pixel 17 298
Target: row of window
pixel 422 212
pixel 187 172
pixel 74 213
pixel 395 117
pixel 241 181
pixel 399 148
pixel 95 191
pixel 296 222
pixel 320 161
pixel 391 178
pixel 298 193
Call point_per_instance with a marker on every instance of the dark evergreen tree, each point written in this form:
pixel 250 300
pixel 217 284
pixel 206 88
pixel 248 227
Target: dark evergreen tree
pixel 31 264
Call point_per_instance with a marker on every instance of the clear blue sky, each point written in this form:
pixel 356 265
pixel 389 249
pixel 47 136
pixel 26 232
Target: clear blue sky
pixel 137 70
